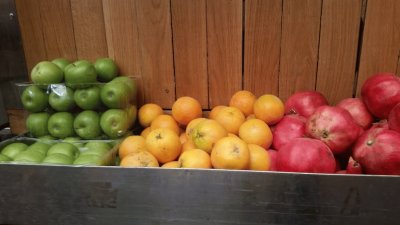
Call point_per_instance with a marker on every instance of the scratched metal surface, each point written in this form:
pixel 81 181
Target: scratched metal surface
pixel 53 195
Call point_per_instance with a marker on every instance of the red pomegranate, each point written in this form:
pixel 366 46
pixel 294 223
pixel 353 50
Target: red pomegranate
pixel 334 126
pixel 378 151
pixel 353 167
pixel 305 155
pixel 272 156
pixel 304 103
pixel 341 172
pixel 380 93
pixel 358 110
pixel 394 118
pixel 290 127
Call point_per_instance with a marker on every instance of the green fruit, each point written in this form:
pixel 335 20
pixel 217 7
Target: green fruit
pixel 115 95
pixel 4 158
pixel 89 160
pixel 13 149
pixel 59 159
pixel 132 114
pixel 29 157
pixel 130 82
pixel 61 63
pixel 48 139
pixel 88 98
pixel 61 125
pixel 94 145
pixel 45 73
pixel 87 124
pixel 75 141
pixel 80 74
pixel 65 148
pixel 115 122
pixel 34 99
pixel 39 147
pixel 106 69
pixel 61 98
pixel 36 124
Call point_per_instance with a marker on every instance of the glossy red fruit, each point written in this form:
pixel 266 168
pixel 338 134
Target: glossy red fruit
pixel 304 103
pixel 289 128
pixel 394 118
pixel 358 110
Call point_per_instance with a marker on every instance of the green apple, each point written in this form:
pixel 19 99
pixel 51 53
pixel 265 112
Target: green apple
pixel 115 123
pixel 130 81
pixel 59 159
pixel 48 139
pixel 115 95
pixel 61 62
pixel 45 73
pixel 88 98
pixel 132 114
pixel 87 124
pixel 61 98
pixel 75 141
pixel 34 99
pixel 80 74
pixel 61 125
pixel 14 149
pixel 89 160
pixel 4 158
pixel 29 157
pixel 36 124
pixel 39 147
pixel 65 148
pixel 95 145
pixel 106 69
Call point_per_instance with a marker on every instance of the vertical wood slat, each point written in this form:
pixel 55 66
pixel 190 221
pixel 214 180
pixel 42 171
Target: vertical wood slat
pixel 224 45
pixel 299 46
pixel 262 46
pixel 31 32
pixel 190 49
pixel 90 36
pixel 57 28
pixel 155 36
pixel 381 39
pixel 338 48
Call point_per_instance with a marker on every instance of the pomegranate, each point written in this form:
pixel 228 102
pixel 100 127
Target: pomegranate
pixel 290 127
pixel 305 155
pixel 394 118
pixel 334 126
pixel 380 93
pixel 358 110
pixel 341 172
pixel 304 103
pixel 353 167
pixel 378 151
pixel 272 156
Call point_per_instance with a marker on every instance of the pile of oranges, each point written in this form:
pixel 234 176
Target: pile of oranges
pixel 233 136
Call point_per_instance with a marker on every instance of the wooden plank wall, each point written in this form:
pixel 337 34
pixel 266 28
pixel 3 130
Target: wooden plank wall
pixel 210 49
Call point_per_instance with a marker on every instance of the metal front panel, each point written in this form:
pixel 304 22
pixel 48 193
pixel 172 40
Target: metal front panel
pixel 112 195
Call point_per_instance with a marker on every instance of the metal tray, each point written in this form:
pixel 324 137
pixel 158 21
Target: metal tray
pixel 36 194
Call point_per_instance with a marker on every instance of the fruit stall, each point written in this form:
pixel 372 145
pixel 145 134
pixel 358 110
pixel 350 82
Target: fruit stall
pixel 200 112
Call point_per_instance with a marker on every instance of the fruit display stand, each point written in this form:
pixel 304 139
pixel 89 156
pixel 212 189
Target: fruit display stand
pixel 209 50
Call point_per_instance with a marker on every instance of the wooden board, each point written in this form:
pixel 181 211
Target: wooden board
pixel 381 41
pixel 58 31
pixel 262 40
pixel 190 49
pixel 338 49
pixel 89 29
pixel 155 43
pixel 299 47
pixel 224 46
pixel 28 13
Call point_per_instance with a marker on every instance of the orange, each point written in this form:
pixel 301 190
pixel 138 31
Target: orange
pixel 259 158
pixel 145 132
pixel 148 112
pixel 188 145
pixel 131 144
pixel 183 138
pixel 165 121
pixel 172 164
pixel 230 118
pixel 164 144
pixel 244 101
pixel 269 108
pixel 192 124
pixel 206 133
pixel 139 159
pixel 255 131
pixel 195 158
pixel 186 109
pixel 251 116
pixel 214 111
pixel 230 153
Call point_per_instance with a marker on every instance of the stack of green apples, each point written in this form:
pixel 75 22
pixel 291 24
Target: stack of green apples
pixel 80 99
